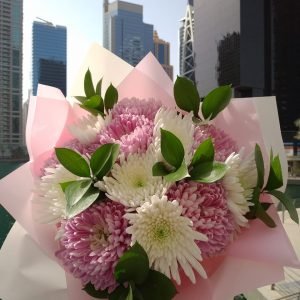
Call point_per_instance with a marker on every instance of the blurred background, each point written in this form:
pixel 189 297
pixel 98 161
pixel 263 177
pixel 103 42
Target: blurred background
pixel 252 44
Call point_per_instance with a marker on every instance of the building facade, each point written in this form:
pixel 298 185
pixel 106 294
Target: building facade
pixel 49 56
pixel 11 55
pixel 124 32
pixel 253 45
pixel 161 51
pixel 186 43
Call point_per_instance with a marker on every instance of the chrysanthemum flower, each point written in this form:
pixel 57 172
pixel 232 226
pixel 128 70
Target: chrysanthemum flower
pixel 239 181
pixel 131 182
pixel 179 125
pixel 49 198
pixel 223 143
pixel 87 128
pixel 167 237
pixel 206 206
pixel 93 242
pixel 131 126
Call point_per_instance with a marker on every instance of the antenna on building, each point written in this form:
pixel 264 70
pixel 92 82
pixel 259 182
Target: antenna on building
pixel 47 22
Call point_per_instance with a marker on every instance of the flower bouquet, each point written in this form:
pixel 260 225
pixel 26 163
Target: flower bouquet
pixel 147 191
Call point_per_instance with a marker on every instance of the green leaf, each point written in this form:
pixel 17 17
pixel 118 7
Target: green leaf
pixel 99 87
pixel 100 158
pixel 88 84
pixel 204 153
pixel 93 102
pixel 259 166
pixel 120 293
pixel 80 98
pixel 111 97
pixel 275 180
pixel 251 215
pixel 259 209
pixel 130 295
pixel 186 95
pixel 287 203
pixel 263 216
pixel 90 290
pixel 86 201
pixel 75 191
pixel 160 169
pixel 110 162
pixel 180 173
pixel 208 172
pixel 64 185
pixel 216 101
pixel 73 162
pixel 171 148
pixel 133 265
pixel 157 286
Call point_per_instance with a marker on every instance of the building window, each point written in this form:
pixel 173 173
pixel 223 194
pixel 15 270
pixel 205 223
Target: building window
pixel 16 103
pixel 16 80
pixel 15 125
pixel 161 53
pixel 16 58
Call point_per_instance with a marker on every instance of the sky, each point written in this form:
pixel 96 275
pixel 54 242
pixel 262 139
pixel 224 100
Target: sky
pixel 83 19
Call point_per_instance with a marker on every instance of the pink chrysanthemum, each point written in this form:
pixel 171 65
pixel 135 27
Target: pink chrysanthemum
pixel 133 106
pixel 206 206
pixel 131 126
pixel 223 143
pixel 92 243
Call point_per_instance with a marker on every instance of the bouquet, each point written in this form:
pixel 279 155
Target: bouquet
pixel 149 197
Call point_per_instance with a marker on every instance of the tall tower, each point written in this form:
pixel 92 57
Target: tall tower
pixel 49 55
pixel 11 35
pixel 186 43
pixel 124 32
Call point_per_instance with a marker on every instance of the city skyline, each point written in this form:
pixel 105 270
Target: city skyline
pixel 81 34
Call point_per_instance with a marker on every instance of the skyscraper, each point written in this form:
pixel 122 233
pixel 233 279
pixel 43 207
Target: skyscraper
pixel 124 32
pixel 11 35
pixel 186 43
pixel 253 45
pixel 162 53
pixel 49 55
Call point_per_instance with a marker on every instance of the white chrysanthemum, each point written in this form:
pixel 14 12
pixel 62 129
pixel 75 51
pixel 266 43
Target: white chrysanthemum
pixel 49 198
pixel 132 183
pixel 239 181
pixel 167 237
pixel 87 128
pixel 181 126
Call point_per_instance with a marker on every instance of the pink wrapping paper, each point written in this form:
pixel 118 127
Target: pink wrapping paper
pixel 255 259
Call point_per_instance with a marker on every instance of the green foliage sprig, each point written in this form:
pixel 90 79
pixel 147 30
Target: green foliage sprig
pixel 187 98
pixel 80 194
pixel 202 168
pixel 93 101
pixel 274 182
pixel 137 281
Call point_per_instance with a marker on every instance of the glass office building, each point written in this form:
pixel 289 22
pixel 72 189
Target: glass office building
pixel 49 56
pixel 124 32
pixel 11 35
pixel 253 45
